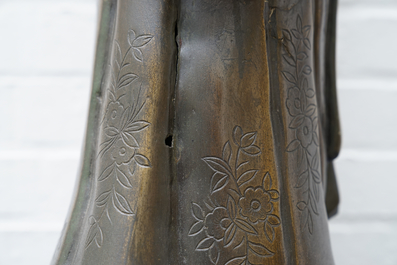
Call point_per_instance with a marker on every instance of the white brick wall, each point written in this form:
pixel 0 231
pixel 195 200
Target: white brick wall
pixel 365 231
pixel 46 63
pixel 46 60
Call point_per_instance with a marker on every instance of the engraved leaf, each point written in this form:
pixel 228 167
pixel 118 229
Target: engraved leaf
pixel 197 212
pixel 289 49
pixel 248 139
pixel 301 205
pixel 137 54
pixel 129 139
pixel 209 206
pixel 237 134
pixel 214 254
pixel 231 207
pixel 274 195
pixel 99 237
pixel 316 176
pixel 315 138
pixel 107 172
pixel 297 121
pixel 220 184
pixel 121 204
pixel 252 150
pixel 236 261
pixel 314 205
pixel 132 167
pixel 315 161
pixel 205 244
pixel 306 30
pixel 289 60
pixel 141 40
pixel 131 36
pixel 299 23
pixel 316 193
pixel 302 178
pixel 217 165
pixel 267 182
pixel 111 131
pixel 290 78
pixel 102 199
pixel 117 53
pixel 306 42
pixel 301 56
pixel 137 126
pixel 304 217
pixel 310 92
pixel 246 227
pixel 305 83
pixel 307 70
pixel 273 220
pixel 300 156
pixel 293 145
pixel 126 79
pixel 246 176
pixel 227 152
pixel 196 228
pixel 269 232
pixel 286 34
pixel 260 250
pixel 315 123
pixel 124 117
pixel 296 34
pixel 142 160
pixel 229 234
pixel 111 96
pixel 239 243
pixel 122 178
pixel 92 232
pixel 310 223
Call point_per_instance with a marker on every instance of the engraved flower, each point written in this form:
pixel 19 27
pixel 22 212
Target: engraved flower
pixel 304 132
pixel 113 113
pixel 122 153
pixel 294 101
pixel 217 222
pixel 255 204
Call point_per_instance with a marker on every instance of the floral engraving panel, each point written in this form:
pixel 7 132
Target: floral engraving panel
pixel 302 108
pixel 238 222
pixel 118 156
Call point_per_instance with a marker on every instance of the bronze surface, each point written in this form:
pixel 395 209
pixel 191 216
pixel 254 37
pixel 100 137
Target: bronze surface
pixel 211 135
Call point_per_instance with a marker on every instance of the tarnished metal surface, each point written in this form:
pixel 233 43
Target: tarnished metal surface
pixel 209 137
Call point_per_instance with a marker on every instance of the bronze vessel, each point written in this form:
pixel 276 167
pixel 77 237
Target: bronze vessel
pixel 211 133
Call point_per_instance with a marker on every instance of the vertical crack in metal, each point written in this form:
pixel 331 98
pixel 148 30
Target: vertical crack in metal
pixel 173 246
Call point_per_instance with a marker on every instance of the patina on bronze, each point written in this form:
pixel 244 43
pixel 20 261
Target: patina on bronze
pixel 211 133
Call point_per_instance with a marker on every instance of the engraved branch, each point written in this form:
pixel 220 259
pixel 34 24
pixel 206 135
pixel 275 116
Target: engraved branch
pixel 247 213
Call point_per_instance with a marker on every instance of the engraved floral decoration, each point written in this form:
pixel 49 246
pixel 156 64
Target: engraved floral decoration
pixel 118 155
pixel 239 214
pixel 301 106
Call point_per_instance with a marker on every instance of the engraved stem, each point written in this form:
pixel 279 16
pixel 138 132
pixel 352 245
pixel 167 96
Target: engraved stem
pixel 235 172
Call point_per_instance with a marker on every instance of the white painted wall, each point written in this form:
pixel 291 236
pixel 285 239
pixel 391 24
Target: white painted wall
pixel 46 59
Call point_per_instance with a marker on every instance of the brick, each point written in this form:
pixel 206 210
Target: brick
pixel 366 181
pixel 36 189
pixel 47 37
pixel 43 111
pixel 365 37
pixel 27 248
pixel 364 242
pixel 367 113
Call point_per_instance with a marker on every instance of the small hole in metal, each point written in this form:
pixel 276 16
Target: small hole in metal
pixel 168 141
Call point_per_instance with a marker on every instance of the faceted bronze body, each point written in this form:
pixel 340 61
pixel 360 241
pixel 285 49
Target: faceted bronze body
pixel 212 129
